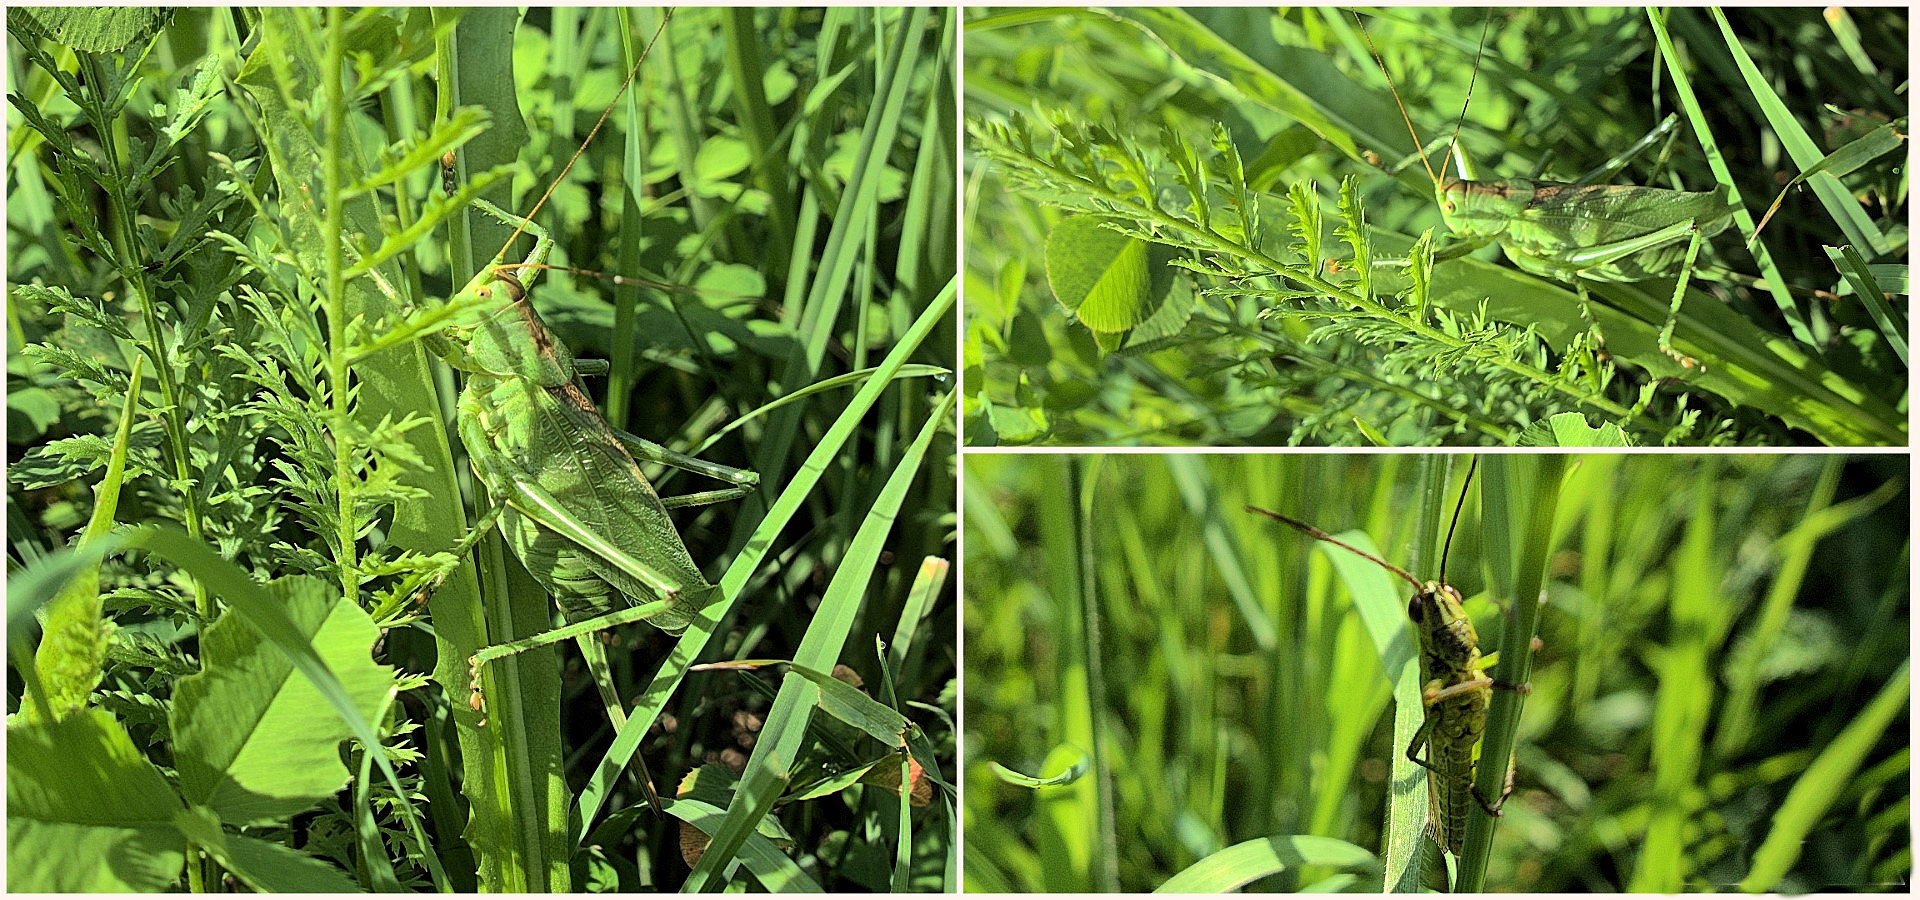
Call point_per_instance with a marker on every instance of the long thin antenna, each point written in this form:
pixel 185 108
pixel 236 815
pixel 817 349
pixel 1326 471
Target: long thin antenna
pixel 648 51
pixel 1453 146
pixel 1382 63
pixel 1457 506
pixel 1321 535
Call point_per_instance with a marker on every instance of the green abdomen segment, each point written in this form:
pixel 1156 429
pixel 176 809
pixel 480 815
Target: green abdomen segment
pixel 554 438
pixel 1450 747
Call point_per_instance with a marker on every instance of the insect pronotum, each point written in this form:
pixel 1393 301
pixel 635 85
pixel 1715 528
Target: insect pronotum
pixel 1575 232
pixel 1454 686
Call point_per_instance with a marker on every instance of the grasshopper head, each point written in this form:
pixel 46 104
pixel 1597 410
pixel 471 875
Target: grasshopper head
pixel 1480 208
pixel 1438 613
pixel 506 336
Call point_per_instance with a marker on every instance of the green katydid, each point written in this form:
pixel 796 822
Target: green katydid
pixel 569 497
pixel 1576 232
pixel 1455 688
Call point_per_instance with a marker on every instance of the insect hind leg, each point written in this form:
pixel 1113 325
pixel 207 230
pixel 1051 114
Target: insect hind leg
pixel 742 481
pixel 1680 294
pixel 1419 740
pixel 1493 809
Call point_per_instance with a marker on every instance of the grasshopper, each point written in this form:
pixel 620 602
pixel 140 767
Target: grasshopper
pixel 1455 688
pixel 569 497
pixel 1574 233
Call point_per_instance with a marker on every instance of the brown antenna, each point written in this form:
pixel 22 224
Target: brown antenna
pixel 1453 144
pixel 1321 535
pixel 648 51
pixel 1382 63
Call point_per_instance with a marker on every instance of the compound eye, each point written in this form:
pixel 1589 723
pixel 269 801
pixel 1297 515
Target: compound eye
pixel 1416 610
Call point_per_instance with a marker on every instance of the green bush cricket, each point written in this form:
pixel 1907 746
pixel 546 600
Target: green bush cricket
pixel 1454 687
pixel 1575 232
pixel 568 495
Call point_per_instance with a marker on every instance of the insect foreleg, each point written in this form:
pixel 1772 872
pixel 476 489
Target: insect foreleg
pixel 542 241
pixel 459 551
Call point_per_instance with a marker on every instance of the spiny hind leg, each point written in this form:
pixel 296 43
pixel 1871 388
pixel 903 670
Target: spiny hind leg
pixel 1680 294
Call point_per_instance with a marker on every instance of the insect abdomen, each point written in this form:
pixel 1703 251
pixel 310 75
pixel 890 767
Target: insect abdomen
pixel 1450 746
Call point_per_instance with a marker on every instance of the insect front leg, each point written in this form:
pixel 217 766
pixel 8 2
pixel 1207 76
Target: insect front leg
pixel 542 240
pixel 459 552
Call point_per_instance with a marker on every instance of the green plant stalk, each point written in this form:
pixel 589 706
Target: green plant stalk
pixel 123 230
pixel 1207 240
pixel 332 228
pixel 1541 497
pixel 1107 872
pixel 516 798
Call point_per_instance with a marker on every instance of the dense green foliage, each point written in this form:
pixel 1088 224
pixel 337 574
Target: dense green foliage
pixel 1260 291
pixel 216 216
pixel 1720 696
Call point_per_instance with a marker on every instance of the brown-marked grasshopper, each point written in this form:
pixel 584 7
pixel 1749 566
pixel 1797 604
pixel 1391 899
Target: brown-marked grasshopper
pixel 1454 688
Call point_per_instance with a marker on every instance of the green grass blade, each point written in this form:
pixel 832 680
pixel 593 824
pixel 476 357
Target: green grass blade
pixel 1523 582
pixel 780 741
pixel 1234 867
pixel 1815 792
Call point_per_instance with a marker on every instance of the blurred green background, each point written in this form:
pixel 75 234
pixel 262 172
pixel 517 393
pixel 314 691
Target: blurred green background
pixel 1720 696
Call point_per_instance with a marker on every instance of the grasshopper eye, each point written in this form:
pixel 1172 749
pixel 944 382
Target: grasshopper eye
pixel 1415 609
